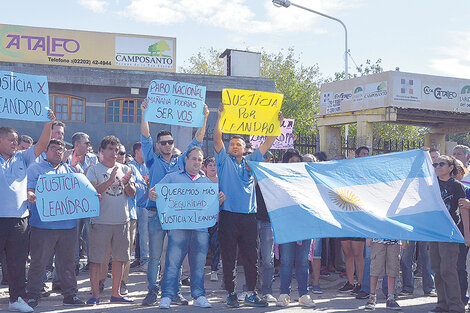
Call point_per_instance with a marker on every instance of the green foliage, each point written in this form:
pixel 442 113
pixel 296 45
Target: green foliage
pixel 162 45
pixel 461 139
pixel 205 62
pixel 299 84
pixel 153 49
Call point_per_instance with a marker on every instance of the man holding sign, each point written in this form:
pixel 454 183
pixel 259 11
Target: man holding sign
pixel 47 237
pixel 159 166
pixel 194 242
pixel 237 221
pixel 14 236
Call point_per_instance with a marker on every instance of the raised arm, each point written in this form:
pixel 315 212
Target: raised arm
pixel 218 143
pixel 43 141
pixel 270 139
pixel 144 125
pixel 202 131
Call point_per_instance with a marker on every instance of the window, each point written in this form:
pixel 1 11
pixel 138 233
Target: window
pixel 68 108
pixel 124 110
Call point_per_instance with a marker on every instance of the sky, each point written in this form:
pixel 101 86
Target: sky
pixel 420 36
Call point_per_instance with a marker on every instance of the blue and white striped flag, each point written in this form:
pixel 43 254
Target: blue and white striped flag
pixel 389 196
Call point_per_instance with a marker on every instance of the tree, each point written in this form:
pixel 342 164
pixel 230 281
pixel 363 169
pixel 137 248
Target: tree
pixel 205 62
pixel 153 49
pixel 162 45
pixel 300 85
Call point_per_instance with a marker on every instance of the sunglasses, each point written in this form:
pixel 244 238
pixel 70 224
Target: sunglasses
pixel 121 153
pixel 165 142
pixel 441 164
pixel 59 150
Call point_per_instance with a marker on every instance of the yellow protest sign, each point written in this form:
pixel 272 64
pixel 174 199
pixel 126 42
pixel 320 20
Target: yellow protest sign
pixel 249 112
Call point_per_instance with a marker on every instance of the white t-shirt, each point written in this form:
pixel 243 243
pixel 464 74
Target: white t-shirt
pixel 114 208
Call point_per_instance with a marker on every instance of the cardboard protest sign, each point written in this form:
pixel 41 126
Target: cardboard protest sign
pixel 249 112
pixel 175 103
pixel 187 205
pixel 24 97
pixel 284 141
pixel 61 197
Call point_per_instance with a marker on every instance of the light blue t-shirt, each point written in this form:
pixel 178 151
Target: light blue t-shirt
pixel 157 165
pixel 13 183
pixel 34 171
pixel 236 182
pixel 183 177
pixel 142 193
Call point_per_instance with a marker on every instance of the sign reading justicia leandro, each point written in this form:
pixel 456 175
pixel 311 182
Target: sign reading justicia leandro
pixel 50 46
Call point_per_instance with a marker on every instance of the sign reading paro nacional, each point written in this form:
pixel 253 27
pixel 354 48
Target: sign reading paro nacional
pixel 50 46
pixel 396 89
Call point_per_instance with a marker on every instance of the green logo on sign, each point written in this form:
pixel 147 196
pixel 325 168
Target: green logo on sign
pixel 158 48
pixel 381 87
pixel 465 90
pixel 358 89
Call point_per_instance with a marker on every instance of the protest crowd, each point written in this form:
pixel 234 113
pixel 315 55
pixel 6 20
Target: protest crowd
pixel 129 224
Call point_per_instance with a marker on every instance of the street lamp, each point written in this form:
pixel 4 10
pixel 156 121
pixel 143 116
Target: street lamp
pixel 287 3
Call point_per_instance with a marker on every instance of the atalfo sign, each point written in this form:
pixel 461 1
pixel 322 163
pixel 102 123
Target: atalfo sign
pixel 22 44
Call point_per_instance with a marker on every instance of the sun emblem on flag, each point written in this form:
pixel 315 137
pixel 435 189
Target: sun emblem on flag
pixel 345 199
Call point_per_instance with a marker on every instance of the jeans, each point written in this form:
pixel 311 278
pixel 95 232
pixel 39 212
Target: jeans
pixel 156 237
pixel 214 246
pixel 294 254
pixel 266 243
pixel 143 229
pixel 462 272
pixel 423 262
pixel 317 250
pixel 83 225
pixel 181 242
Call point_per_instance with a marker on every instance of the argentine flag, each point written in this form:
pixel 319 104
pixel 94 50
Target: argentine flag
pixel 388 196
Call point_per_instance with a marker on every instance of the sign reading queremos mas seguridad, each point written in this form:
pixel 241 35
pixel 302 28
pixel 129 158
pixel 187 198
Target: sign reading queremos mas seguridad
pixel 50 46
pixel 187 205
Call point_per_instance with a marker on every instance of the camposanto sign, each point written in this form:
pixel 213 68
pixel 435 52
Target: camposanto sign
pixel 86 49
